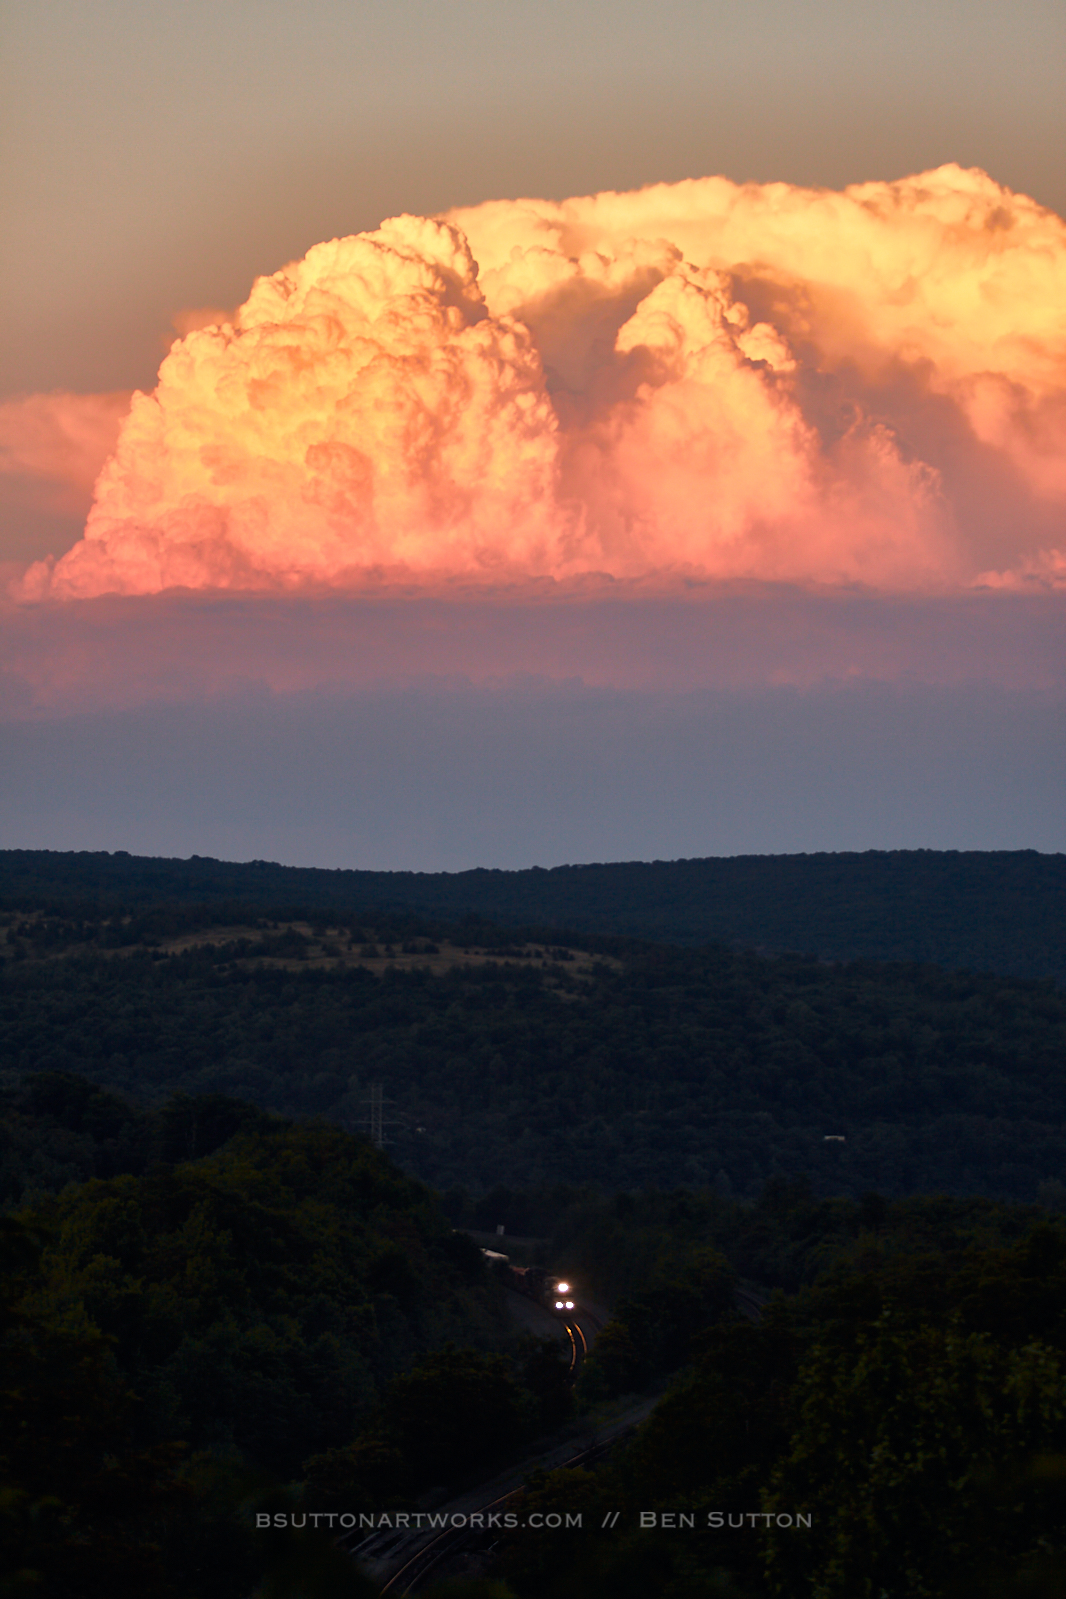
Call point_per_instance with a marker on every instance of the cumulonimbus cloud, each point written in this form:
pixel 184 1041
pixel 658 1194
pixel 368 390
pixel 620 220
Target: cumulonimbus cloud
pixel 694 381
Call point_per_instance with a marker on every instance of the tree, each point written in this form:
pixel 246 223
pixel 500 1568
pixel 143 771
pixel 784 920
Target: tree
pixel 456 1411
pixel 922 1457
pixel 83 1510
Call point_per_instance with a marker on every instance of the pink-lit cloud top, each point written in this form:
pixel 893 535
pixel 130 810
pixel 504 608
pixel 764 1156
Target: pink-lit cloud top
pixel 698 381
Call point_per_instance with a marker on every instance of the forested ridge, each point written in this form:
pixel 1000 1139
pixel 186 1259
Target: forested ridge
pixel 217 1297
pixel 995 910
pixel 604 1062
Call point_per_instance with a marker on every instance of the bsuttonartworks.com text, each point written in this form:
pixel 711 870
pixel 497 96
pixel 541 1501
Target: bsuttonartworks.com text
pixel 417 1521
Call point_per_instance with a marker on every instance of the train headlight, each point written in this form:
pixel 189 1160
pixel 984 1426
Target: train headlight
pixel 569 1304
pixel 563 1288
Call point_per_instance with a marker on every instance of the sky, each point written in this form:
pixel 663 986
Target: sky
pixel 682 473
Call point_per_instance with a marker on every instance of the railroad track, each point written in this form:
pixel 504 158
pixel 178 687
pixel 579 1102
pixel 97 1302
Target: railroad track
pixel 448 1542
pixel 451 1540
pixel 578 1348
pixel 749 1304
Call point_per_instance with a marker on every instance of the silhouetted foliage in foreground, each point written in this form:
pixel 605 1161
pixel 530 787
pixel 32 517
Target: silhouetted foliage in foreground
pixel 179 1345
pixel 90 1507
pixel 257 1300
pixel 895 1429
pixel 290 1309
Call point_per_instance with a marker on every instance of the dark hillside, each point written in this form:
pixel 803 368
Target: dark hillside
pixel 260 1297
pixel 620 1066
pixel 1001 911
pixel 177 1345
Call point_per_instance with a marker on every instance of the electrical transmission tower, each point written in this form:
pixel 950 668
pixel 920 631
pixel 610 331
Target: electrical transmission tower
pixel 377 1124
pixel 377 1120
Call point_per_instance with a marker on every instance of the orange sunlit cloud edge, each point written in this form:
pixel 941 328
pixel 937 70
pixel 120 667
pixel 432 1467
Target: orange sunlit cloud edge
pixel 692 384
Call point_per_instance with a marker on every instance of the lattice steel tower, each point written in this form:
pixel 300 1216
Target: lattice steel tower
pixel 377 1124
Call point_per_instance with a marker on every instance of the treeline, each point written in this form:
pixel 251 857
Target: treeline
pixel 634 1065
pixel 57 1128
pixel 995 910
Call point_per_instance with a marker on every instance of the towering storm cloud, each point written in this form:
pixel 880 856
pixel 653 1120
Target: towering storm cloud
pixel 694 381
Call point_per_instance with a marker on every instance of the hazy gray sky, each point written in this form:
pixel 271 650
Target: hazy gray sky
pixel 158 155
pixel 434 735
pixel 444 778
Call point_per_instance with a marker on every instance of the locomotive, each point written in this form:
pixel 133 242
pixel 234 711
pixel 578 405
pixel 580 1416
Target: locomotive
pixel 554 1293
